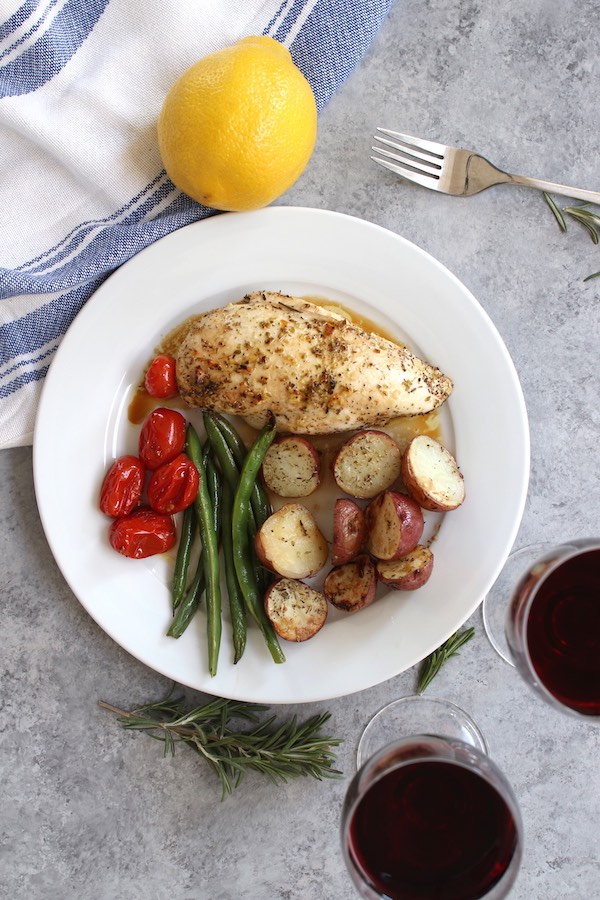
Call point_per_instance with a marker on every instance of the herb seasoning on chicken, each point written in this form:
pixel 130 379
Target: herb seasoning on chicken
pixel 314 370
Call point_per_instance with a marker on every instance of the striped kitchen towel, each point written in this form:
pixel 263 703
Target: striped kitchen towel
pixel 82 187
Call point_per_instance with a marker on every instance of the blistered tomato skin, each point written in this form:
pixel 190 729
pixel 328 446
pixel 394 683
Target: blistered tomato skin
pixel 143 533
pixel 160 379
pixel 162 437
pixel 173 486
pixel 122 487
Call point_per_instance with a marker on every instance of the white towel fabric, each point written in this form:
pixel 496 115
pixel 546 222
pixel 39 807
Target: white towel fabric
pixel 83 188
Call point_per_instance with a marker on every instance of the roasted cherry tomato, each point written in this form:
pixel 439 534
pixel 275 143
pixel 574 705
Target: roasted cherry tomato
pixel 174 485
pixel 162 437
pixel 122 486
pixel 142 533
pixel 160 380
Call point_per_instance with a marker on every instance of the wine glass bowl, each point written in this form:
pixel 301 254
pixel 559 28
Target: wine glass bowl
pixel 552 626
pixel 428 813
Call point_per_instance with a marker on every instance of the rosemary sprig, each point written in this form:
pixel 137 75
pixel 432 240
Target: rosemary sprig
pixel 434 662
pixel 587 218
pixel 281 752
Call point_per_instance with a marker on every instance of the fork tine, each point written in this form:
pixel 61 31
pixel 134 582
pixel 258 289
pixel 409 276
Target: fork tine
pixel 428 181
pixel 416 143
pixel 413 156
pixel 411 164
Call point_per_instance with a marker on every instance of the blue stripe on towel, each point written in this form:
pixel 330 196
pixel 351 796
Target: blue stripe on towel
pixel 44 59
pixel 49 257
pixel 29 333
pixel 32 30
pixel 322 30
pixel 17 18
pixel 22 380
pixel 285 26
pixel 27 362
pixel 112 246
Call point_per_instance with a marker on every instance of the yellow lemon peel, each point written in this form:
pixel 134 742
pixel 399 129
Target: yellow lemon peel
pixel 238 128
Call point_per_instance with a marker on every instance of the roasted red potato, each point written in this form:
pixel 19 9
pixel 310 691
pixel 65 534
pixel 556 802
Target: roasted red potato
pixel 408 573
pixel 394 525
pixel 291 544
pixel 352 586
pixel 296 611
pixel 367 463
pixel 431 475
pixel 292 467
pixel 349 531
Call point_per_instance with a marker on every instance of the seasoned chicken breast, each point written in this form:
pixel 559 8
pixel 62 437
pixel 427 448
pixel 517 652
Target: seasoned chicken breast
pixel 314 370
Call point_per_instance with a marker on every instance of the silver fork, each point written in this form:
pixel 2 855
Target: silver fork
pixel 452 170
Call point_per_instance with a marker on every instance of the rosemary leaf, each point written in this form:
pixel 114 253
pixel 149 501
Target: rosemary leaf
pixel 555 211
pixel 593 275
pixel 583 212
pixel 585 218
pixel 281 751
pixel 434 662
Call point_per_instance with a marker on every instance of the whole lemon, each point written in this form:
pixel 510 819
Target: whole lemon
pixel 238 127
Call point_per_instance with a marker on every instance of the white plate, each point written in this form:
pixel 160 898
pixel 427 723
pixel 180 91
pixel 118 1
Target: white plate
pixel 82 425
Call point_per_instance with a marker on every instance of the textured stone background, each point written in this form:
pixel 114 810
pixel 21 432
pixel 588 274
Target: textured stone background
pixel 94 813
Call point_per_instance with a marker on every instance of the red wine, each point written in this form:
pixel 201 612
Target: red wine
pixel 563 632
pixel 432 829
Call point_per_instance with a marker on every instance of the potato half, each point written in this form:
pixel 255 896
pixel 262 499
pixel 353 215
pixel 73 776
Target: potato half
pixel 408 573
pixel 352 586
pixel 292 467
pixel 291 543
pixel 394 525
pixel 431 475
pixel 367 463
pixel 296 611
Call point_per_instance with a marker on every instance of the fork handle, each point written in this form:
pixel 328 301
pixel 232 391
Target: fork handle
pixel 575 193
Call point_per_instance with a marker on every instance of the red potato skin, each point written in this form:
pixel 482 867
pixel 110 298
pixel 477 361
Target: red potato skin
pixel 413 575
pixel 410 522
pixel 415 490
pixel 337 586
pixel 349 531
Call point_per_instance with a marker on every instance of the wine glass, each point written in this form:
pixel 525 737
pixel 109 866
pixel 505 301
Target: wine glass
pixel 428 814
pixel 543 616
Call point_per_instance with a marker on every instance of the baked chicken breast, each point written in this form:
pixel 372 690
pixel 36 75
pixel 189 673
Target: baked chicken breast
pixel 313 370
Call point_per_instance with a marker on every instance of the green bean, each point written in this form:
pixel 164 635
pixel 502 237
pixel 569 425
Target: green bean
pixel 190 603
pixel 206 518
pixel 259 498
pixel 215 488
pixel 242 548
pixel 182 561
pixel 237 607
pixel 229 466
